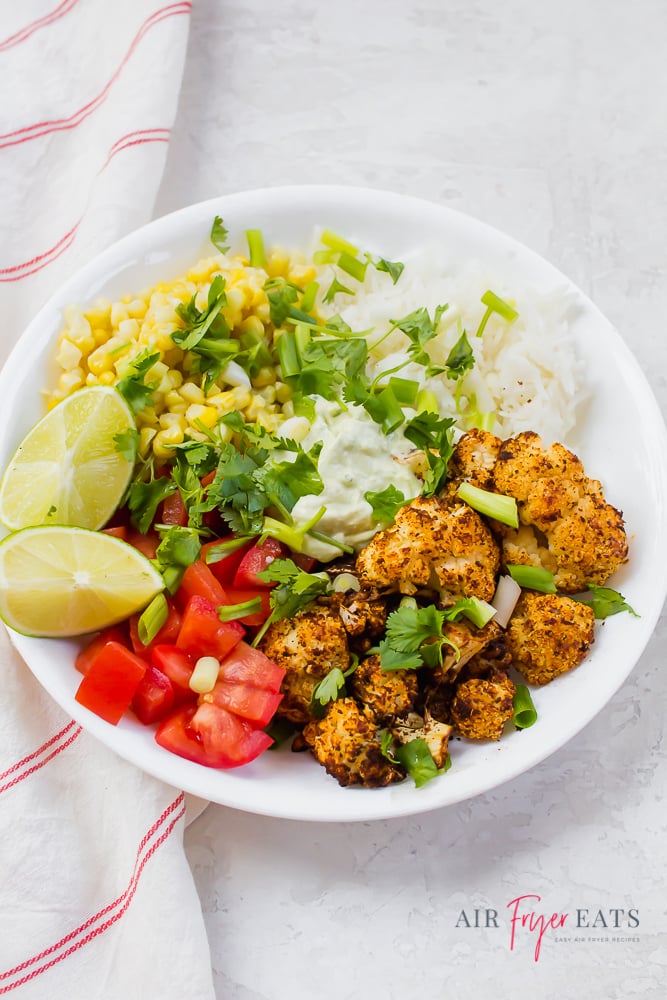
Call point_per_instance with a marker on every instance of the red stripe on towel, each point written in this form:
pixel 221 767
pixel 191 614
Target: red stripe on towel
pixel 42 22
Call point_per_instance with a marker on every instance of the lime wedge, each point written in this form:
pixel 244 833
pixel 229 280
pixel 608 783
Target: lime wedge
pixel 57 581
pixel 67 469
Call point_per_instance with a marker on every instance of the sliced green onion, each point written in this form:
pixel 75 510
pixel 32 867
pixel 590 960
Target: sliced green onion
pixel 231 612
pixel 337 243
pixel 525 713
pixel 496 505
pixel 223 549
pixel 405 390
pixel 152 619
pixel 308 297
pixel 477 611
pixel 533 578
pixel 353 266
pixel 293 537
pixel 325 257
pixel 494 304
pixel 426 402
pixel 256 247
pixel 205 674
pixel 345 582
pixel 288 354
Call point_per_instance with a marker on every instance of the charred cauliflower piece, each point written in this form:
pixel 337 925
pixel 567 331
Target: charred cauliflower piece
pixel 346 743
pixel 468 642
pixel 387 693
pixel 481 707
pixel 433 544
pixel 549 634
pixel 567 526
pixel 361 613
pixel 307 646
pixel 474 458
pixel 434 734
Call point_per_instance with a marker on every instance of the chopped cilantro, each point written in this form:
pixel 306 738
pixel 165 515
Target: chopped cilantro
pixel 334 288
pixel 133 387
pixel 144 498
pixel 127 443
pixel 386 504
pixel 331 687
pixel 295 590
pixel 393 268
pixel 605 601
pixel 460 359
pixel 414 757
pixel 419 328
pixel 219 235
pixel 433 434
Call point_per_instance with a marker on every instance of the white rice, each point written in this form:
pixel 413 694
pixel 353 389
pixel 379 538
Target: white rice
pixel 526 371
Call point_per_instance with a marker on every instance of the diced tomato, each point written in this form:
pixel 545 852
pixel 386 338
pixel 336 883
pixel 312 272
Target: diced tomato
pixel 167 634
pixel 111 681
pixel 147 544
pixel 177 666
pixel 87 656
pixel 173 510
pixel 211 736
pixel 154 698
pixel 208 478
pixel 224 569
pixel 198 580
pixel 118 531
pixel 203 634
pixel 246 665
pixel 261 555
pixel 252 703
pixel 239 595
pixel 304 562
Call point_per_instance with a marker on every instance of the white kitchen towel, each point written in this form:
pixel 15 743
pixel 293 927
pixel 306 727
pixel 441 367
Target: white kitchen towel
pixel 96 896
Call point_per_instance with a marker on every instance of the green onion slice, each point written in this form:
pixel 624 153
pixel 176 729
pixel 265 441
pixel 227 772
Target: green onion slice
pixel 525 713
pixel 496 505
pixel 232 612
pixel 152 619
pixel 256 247
pixel 353 266
pixel 338 243
pixel 533 578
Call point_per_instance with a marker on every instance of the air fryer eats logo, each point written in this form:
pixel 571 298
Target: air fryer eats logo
pixel 529 922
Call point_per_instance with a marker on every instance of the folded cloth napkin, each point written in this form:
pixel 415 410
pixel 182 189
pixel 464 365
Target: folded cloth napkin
pixel 96 896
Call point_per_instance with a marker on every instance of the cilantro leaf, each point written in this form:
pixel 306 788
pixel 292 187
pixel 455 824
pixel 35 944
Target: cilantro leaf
pixel 127 443
pixel 137 394
pixel 145 498
pixel 605 601
pixel 178 548
pixel 295 590
pixel 393 268
pixel 329 688
pixel 196 323
pixel 433 435
pixel 414 638
pixel 419 328
pixel 460 359
pixel 386 504
pixel 333 290
pixel 414 757
pixel 286 481
pixel 281 295
pixel 219 235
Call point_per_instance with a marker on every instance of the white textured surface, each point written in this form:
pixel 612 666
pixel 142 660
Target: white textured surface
pixel 547 121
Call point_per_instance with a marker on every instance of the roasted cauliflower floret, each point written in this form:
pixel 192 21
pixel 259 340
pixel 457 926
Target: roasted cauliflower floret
pixel 434 734
pixel 387 693
pixel 308 646
pixel 433 544
pixel 346 743
pixel 549 634
pixel 567 526
pixel 481 707
pixel 467 641
pixel 474 458
pixel 361 613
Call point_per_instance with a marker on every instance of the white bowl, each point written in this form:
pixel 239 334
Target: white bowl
pixel 623 443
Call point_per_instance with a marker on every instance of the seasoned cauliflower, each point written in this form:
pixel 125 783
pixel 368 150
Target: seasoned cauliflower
pixel 467 642
pixel 387 693
pixel 434 734
pixel 549 634
pixel 474 458
pixel 481 708
pixel 346 743
pixel 308 646
pixel 567 526
pixel 433 544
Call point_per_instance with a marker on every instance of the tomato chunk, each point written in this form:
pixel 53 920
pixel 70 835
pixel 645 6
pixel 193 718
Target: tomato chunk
pixel 224 569
pixel 173 510
pixel 147 544
pixel 256 559
pixel 154 698
pixel 198 580
pixel 203 634
pixel 239 595
pixel 87 656
pixel 245 665
pixel 255 704
pixel 111 682
pixel 211 736
pixel 167 634
pixel 178 667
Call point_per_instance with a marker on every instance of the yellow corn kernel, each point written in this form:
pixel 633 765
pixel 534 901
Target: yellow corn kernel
pixel 265 376
pixel 118 314
pixel 102 359
pixel 69 355
pixel 129 329
pixel 283 392
pixel 92 379
pixel 191 392
pixel 175 402
pixel 252 325
pixel 164 441
pixel 100 335
pixel 107 378
pixel 207 415
pixel 172 420
pixel 99 314
pixel 71 380
pixel 268 393
pixel 136 309
pixel 288 409
pixel 277 263
pixel 146 435
pixel 301 274
pixel 172 380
